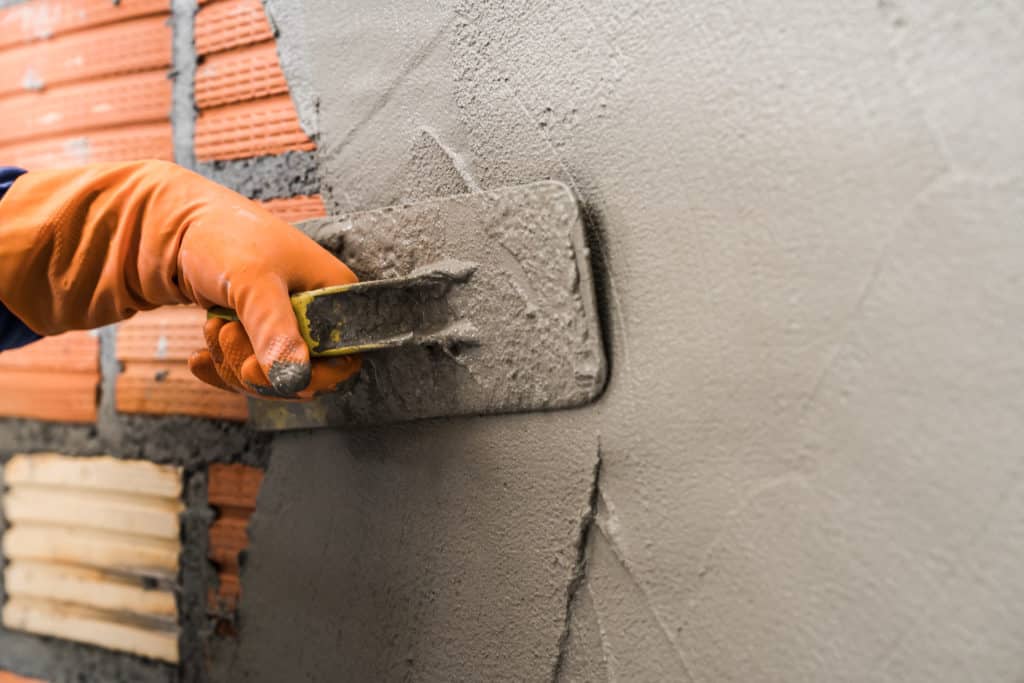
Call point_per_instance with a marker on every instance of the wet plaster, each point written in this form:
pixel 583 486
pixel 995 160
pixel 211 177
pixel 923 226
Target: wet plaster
pixel 420 550
pixel 807 220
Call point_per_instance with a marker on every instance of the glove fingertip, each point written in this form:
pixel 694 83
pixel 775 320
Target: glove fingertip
pixel 202 366
pixel 289 377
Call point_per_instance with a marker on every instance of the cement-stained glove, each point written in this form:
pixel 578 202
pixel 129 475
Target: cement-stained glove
pixel 88 246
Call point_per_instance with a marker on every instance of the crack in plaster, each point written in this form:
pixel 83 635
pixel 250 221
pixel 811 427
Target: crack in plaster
pixel 579 573
pixel 603 535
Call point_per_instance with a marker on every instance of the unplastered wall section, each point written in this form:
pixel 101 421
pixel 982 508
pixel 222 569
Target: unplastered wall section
pixel 80 81
pixel 84 81
pixel 244 112
pixel 89 81
pixel 123 390
pixel 247 133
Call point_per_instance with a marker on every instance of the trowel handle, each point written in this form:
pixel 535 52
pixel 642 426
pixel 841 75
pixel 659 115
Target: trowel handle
pixel 222 313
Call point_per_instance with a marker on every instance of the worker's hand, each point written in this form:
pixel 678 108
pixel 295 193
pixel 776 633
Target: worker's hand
pixel 88 246
pixel 234 253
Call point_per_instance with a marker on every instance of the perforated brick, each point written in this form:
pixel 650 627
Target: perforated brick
pixel 226 24
pixel 107 103
pixel 239 75
pixel 147 141
pixel 266 126
pixel 232 493
pixel 53 379
pixel 132 46
pixel 296 209
pixel 41 19
pixel 153 348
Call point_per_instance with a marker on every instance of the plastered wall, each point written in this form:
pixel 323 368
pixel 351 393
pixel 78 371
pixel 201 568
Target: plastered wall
pixel 805 224
pixel 806 220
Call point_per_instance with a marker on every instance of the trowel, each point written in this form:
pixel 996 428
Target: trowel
pixel 471 304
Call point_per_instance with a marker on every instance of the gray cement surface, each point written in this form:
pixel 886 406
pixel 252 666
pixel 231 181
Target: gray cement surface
pixel 808 219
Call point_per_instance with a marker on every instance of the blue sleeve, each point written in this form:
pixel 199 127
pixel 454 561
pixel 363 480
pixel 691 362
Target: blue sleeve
pixel 13 332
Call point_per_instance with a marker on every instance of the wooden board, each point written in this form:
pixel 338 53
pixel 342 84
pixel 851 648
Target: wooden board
pixel 90 626
pixel 92 549
pixel 102 473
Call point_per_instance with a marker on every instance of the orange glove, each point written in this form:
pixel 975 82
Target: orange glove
pixel 88 246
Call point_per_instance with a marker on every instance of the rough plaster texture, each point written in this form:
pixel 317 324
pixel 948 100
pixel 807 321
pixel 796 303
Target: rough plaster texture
pixel 808 222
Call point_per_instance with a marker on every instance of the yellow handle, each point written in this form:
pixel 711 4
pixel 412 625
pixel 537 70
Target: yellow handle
pixel 300 304
pixel 222 313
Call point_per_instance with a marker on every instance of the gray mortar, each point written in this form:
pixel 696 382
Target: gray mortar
pixel 187 442
pixel 196 577
pixel 183 107
pixel 267 177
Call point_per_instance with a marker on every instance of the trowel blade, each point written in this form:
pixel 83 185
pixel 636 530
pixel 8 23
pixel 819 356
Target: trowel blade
pixel 521 334
pixel 383 314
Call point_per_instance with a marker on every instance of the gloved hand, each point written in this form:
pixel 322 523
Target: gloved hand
pixel 88 246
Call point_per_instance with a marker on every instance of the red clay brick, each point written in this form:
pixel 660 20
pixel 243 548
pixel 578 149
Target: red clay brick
pixel 227 24
pixel 296 209
pixel 53 379
pixel 232 492
pixel 239 75
pixel 171 334
pixel 249 129
pixel 170 389
pixel 128 47
pixel 154 347
pixel 106 103
pixel 8 677
pixel 46 18
pixel 146 141
pixel 234 485
pixel 74 352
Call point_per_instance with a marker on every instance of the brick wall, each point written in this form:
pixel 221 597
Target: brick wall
pixel 93 80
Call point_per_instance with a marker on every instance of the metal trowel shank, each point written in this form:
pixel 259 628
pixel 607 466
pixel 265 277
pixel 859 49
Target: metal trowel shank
pixel 468 305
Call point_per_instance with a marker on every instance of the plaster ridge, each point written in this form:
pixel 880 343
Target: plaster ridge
pixel 579 573
pixel 458 161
